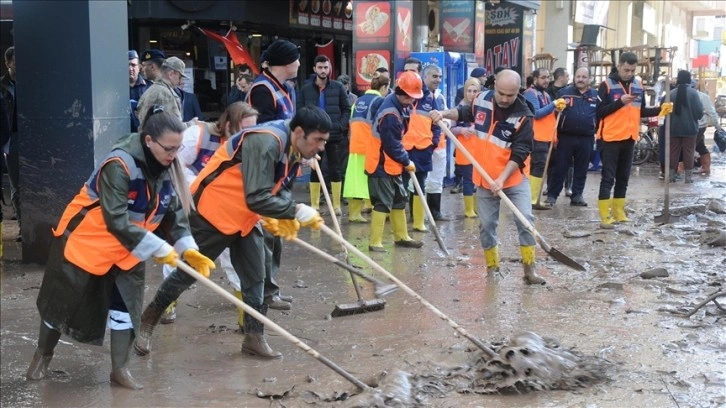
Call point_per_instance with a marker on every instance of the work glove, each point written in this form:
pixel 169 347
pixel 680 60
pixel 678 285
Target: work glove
pixel 666 108
pixel 308 217
pixel 166 255
pixel 286 229
pixel 410 167
pixel 560 104
pixel 199 262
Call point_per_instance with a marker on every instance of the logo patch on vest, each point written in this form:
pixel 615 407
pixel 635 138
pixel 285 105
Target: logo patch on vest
pixel 132 197
pixel 480 118
pixel 165 200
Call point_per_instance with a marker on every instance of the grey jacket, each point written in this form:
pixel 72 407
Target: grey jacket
pixel 685 124
pixel 710 118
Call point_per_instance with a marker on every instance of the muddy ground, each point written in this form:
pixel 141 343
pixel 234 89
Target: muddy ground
pixel 661 359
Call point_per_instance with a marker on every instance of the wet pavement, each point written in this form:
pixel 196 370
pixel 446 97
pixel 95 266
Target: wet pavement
pixel 659 358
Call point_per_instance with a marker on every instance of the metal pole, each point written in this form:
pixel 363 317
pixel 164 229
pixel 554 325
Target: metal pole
pixel 666 198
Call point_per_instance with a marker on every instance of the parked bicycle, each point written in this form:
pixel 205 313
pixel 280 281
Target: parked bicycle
pixel 646 148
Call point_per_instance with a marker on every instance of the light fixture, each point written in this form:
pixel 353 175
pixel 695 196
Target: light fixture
pixel 153 41
pixel 189 54
pixel 256 35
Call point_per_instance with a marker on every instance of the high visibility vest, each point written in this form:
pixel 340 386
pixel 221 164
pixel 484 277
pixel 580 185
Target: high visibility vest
pixel 207 144
pixel 544 128
pixel 361 122
pixel 218 191
pixel 90 246
pixel 375 151
pixel 470 144
pixel 284 98
pixel 419 134
pixel 624 123
pixel 493 144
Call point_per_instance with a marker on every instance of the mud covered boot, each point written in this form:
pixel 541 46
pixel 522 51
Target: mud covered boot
pixel 255 342
pixel 240 312
pixel 618 206
pixel 47 340
pixel 149 320
pixel 606 221
pixel 120 348
pixel 491 256
pixel 530 276
pixel 689 177
pixel 400 234
pixel 169 315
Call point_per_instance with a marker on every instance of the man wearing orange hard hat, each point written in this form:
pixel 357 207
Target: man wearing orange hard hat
pixel 386 160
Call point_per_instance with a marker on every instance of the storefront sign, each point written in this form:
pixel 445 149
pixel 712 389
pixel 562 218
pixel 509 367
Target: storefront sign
pixel 504 36
pixel 457 23
pixel 591 12
pixel 373 39
pixel 328 14
pixel 479 32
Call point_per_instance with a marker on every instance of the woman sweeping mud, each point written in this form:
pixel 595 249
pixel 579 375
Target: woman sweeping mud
pixel 95 269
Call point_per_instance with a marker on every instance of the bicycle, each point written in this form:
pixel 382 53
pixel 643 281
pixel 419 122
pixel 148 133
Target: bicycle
pixel 646 148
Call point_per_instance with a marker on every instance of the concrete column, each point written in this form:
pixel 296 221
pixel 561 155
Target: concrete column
pixel 73 103
pixel 555 40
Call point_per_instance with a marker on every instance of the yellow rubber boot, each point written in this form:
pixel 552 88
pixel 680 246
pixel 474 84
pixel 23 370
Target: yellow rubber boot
pixel 336 187
pixel 606 221
pixel 400 233
pixel 469 207
pixel 354 210
pixel 491 256
pixel 367 207
pixel 378 222
pixel 530 275
pixel 419 215
pixel 619 210
pixel 315 195
pixel 240 311
pixel 534 185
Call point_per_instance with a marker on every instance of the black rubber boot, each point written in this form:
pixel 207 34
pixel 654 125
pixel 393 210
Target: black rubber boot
pixel 47 340
pixel 149 319
pixel 255 342
pixel 120 349
pixel 434 202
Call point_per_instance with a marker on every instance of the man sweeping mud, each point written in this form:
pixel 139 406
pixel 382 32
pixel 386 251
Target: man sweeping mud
pixel 261 162
pixel 503 123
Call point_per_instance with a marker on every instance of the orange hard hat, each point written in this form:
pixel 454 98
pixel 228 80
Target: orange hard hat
pixel 410 82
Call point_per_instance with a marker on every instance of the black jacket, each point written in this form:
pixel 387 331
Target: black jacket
pixel 5 86
pixel 337 105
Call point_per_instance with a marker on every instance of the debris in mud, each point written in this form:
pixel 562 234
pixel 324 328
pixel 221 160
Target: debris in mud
pixel 611 285
pixel 655 273
pixel 714 238
pixel 576 234
pixel 299 284
pixel 213 328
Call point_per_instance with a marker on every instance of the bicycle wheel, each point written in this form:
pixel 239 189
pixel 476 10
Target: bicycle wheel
pixel 643 149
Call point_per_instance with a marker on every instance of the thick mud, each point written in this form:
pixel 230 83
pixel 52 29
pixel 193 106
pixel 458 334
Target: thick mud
pixel 625 313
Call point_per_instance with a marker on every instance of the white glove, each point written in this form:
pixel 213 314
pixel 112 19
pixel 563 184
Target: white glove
pixel 305 213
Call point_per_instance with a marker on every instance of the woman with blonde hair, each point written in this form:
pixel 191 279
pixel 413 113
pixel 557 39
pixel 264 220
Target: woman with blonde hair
pixel 466 134
pixel 361 120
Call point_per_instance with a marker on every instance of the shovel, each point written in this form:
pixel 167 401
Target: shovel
pixel 430 216
pixel 362 305
pixel 537 205
pixel 554 253
pixel 269 323
pixel 666 217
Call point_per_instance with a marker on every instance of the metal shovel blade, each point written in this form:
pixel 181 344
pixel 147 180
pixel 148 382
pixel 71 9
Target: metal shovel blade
pixel 564 259
pixel 666 218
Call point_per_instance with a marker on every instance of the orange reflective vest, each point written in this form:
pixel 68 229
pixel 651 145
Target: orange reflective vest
pixel 374 151
pixel 624 123
pixel 419 134
pixel 492 147
pixel 361 121
pixel 470 144
pixel 544 128
pixel 90 245
pixel 218 191
pixel 207 144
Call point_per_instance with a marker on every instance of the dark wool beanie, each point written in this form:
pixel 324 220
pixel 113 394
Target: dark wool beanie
pixel 282 52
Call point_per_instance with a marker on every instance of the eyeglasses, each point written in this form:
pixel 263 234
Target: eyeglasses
pixel 545 77
pixel 174 149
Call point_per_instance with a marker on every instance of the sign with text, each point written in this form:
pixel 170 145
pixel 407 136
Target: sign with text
pixel 457 25
pixel 503 39
pixel 373 39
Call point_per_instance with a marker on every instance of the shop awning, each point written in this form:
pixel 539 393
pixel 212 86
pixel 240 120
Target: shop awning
pixel 530 4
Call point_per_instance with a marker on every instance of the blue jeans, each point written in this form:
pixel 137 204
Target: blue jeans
pixel 465 172
pixel 488 207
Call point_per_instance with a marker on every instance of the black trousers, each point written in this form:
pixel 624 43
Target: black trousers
pixel 336 155
pixel 575 150
pixel 538 158
pixel 617 160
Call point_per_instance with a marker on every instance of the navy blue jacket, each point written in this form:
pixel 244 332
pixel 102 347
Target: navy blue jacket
pixel 578 118
pixel 190 106
pixel 135 93
pixel 391 128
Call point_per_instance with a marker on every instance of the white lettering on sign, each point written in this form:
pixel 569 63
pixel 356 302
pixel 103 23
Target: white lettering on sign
pixel 501 16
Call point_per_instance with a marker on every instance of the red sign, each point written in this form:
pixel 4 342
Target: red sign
pixel 373 20
pixel 404 28
pixel 366 64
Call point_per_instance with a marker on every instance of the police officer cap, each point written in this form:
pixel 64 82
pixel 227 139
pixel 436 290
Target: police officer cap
pixel 133 54
pixel 282 52
pixel 478 72
pixel 152 54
